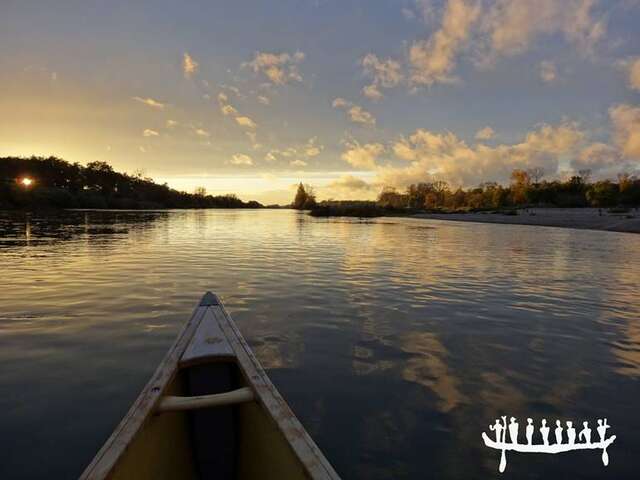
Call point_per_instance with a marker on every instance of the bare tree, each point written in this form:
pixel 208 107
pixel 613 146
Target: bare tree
pixel 585 175
pixel 536 174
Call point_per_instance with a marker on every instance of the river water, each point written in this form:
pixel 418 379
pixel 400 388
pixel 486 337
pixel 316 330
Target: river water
pixel 395 341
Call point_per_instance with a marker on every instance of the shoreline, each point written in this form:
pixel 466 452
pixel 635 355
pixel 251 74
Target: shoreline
pixel 578 218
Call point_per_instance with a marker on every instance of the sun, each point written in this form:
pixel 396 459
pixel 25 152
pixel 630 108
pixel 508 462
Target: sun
pixel 26 181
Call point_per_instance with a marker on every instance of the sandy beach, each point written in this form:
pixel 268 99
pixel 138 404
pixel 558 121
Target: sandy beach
pixel 582 218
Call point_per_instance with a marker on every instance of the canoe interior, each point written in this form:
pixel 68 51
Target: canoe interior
pixel 231 442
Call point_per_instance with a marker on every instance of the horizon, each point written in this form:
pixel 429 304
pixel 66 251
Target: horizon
pixel 346 96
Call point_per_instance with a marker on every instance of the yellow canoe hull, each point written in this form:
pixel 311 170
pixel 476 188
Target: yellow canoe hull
pixel 185 424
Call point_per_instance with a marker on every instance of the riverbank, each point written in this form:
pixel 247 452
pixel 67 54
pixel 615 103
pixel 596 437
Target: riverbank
pixel 582 218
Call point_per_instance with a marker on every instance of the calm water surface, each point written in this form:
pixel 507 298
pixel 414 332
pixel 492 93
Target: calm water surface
pixel 396 342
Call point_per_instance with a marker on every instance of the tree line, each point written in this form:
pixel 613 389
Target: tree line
pixel 527 188
pixel 51 182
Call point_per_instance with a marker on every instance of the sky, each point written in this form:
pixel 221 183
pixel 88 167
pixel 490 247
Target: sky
pixel 252 97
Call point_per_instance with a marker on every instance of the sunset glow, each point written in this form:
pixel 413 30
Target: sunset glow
pixel 459 90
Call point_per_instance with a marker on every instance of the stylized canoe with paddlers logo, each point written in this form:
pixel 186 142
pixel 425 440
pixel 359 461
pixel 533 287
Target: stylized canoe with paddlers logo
pixel 574 440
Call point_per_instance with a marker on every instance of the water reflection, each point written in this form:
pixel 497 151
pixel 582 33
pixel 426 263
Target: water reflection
pixel 395 341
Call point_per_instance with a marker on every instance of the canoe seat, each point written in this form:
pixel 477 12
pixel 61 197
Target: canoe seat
pixel 208 343
pixel 171 403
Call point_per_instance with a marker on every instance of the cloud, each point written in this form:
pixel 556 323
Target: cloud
pixel 383 73
pixel 298 163
pixel 486 133
pixel 228 110
pixel 350 182
pixel 264 100
pixel 510 26
pixel 340 103
pixel 171 123
pixel 433 60
pixel 502 28
pixel 625 120
pixel 372 92
pixel 407 13
pixel 150 102
pixel 446 157
pixel 189 65
pixel 597 157
pixel 356 113
pixel 246 122
pixel 634 74
pixel 241 159
pixel 349 187
pixel 362 156
pixel 548 72
pixel 312 148
pixel 201 133
pixel 149 133
pixel 225 107
pixel 279 68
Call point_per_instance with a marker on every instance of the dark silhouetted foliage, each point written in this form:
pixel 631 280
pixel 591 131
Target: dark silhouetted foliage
pixel 60 184
pixel 305 199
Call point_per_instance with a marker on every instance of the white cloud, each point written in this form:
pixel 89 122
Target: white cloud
pixel 383 73
pixel 486 133
pixel 510 26
pixel 362 156
pixel 548 72
pixel 271 156
pixel 349 187
pixel 201 132
pixel 596 157
pixel 340 103
pixel 298 163
pixel 445 156
pixel 634 74
pixel 433 60
pixel 502 28
pixel 171 123
pixel 246 122
pixel 372 92
pixel 279 68
pixel 241 159
pixel 312 148
pixel 408 13
pixel 264 100
pixel 149 133
pixel 625 121
pixel 150 102
pixel 189 65
pixel 228 110
pixel 356 113
pixel 142 149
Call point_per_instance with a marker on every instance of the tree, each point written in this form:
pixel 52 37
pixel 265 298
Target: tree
pixel 536 174
pixel 520 182
pixel 602 194
pixel 200 192
pixel 390 198
pixel 305 197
